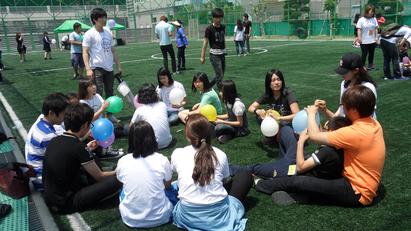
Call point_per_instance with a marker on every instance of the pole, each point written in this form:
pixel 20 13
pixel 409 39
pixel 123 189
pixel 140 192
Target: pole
pixel 396 13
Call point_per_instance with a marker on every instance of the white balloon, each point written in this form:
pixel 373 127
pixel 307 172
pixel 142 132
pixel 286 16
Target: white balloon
pixel 53 41
pixel 111 23
pixel 176 96
pixel 269 127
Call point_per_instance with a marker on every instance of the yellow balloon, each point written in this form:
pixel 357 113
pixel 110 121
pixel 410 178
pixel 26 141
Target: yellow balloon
pixel 275 114
pixel 209 112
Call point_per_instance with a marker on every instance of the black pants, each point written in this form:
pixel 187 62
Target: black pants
pixel 218 62
pixel 104 80
pixel 368 49
pixel 390 53
pixel 338 191
pixel 247 42
pixel 239 185
pixel 168 49
pixel 181 57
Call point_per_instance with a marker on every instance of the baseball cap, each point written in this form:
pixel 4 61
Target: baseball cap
pixel 349 62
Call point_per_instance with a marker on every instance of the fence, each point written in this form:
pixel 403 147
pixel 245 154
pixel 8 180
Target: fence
pixel 276 20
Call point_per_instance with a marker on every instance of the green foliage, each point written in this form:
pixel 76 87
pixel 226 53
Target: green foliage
pixel 297 12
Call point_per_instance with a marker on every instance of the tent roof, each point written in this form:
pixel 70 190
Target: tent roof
pixel 67 26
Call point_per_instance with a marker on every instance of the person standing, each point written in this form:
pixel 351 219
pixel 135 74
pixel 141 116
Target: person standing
pixel 215 35
pixel 367 35
pixel 76 50
pixel 99 53
pixel 239 38
pixel 182 42
pixel 163 32
pixel 247 32
pixel 21 48
pixel 46 46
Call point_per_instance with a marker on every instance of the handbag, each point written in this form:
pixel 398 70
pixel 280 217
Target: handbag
pixel 15 178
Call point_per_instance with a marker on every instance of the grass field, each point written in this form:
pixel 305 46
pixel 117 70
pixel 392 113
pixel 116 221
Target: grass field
pixel 309 70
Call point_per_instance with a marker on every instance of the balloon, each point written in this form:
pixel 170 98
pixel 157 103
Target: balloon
pixel 176 96
pixel 102 129
pixel 116 104
pixel 111 24
pixel 209 112
pixel 269 127
pixel 53 41
pixel 108 142
pixel 136 103
pixel 274 113
pixel 406 60
pixel 300 121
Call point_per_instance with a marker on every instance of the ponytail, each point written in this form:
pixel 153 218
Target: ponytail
pixel 205 161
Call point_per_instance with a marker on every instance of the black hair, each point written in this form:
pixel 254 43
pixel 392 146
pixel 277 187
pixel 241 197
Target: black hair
pixel 360 98
pixel 77 115
pixel 229 91
pixel 239 25
pixel 147 94
pixel 82 88
pixel 164 71
pixel 45 33
pixel 97 13
pixel 217 13
pixel 203 78
pixel 55 102
pixel 356 17
pixel 268 78
pixel 245 15
pixel 338 122
pixel 361 76
pixel 141 139
pixel 179 21
pixel 72 97
pixel 76 25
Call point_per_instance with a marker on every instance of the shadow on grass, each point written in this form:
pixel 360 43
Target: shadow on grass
pixel 270 150
pixel 250 203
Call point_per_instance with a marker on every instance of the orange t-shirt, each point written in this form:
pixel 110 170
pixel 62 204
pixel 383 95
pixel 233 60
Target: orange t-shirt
pixel 364 155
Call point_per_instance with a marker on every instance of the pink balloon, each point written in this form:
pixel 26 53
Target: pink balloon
pixel 405 60
pixel 108 142
pixel 136 103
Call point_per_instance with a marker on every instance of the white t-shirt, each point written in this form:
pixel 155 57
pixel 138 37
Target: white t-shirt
pixel 96 102
pixel 144 203
pixel 164 94
pixel 156 115
pixel 239 34
pixel 60 129
pixel 404 31
pixel 238 108
pixel 99 44
pixel 182 161
pixel 366 84
pixel 368 28
pixel 162 29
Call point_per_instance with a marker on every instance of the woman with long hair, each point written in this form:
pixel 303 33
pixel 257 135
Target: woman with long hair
pixel 207 200
pixel 239 37
pixel 367 27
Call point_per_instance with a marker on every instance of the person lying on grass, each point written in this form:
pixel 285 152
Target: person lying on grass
pixel 364 157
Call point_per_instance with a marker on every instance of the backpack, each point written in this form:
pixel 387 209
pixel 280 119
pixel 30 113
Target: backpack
pixel 390 30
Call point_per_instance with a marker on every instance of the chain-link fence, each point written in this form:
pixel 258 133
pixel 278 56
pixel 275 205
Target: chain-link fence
pixel 285 19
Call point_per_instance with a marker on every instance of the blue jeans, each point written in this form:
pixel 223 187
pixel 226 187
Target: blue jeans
pixel 224 129
pixel 172 117
pixel 239 47
pixel 288 151
pixel 218 62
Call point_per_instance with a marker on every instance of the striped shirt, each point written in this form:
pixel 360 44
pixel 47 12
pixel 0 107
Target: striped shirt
pixel 37 140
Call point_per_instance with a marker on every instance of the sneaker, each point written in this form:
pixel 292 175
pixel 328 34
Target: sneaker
pixel 75 76
pixel 268 140
pixel 282 198
pixel 224 139
pixel 111 153
pixel 256 180
pixel 402 78
pixel 388 78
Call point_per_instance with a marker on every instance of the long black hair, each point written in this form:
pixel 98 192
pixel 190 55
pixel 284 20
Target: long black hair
pixel 361 76
pixel 141 139
pixel 164 71
pixel 239 25
pixel 229 91
pixel 268 78
pixel 203 78
pixel 147 94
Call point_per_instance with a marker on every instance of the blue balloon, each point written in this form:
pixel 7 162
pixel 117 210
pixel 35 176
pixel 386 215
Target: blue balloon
pixel 300 121
pixel 102 129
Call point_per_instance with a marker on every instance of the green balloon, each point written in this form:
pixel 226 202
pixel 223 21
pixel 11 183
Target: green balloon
pixel 116 104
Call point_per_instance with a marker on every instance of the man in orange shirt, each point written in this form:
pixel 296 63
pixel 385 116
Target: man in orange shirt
pixel 364 156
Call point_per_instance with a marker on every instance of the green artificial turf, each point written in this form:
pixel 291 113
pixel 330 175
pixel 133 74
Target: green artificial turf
pixel 308 67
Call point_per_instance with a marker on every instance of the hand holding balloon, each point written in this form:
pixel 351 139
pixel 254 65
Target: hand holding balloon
pixel 92 145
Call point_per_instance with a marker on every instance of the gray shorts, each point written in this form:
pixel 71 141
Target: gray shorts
pixel 77 60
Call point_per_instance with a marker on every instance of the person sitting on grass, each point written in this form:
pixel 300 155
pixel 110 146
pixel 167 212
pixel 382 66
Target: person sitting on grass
pixel 42 131
pixel 166 83
pixel 145 174
pixel 353 73
pixel 207 200
pixel 364 157
pixel 326 162
pixel 73 181
pixel 208 96
pixel 234 123
pixel 87 93
pixel 155 113
pixel 405 59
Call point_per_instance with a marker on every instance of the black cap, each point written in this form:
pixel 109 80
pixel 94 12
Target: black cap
pixel 349 62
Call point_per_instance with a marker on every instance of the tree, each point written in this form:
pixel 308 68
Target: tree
pixel 389 8
pixel 330 6
pixel 260 10
pixel 297 12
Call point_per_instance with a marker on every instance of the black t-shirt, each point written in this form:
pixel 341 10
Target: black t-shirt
pixel 282 104
pixel 247 26
pixel 62 164
pixel 216 36
pixel 330 165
